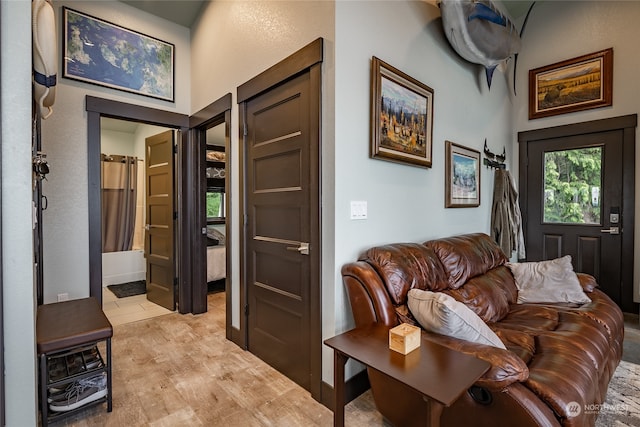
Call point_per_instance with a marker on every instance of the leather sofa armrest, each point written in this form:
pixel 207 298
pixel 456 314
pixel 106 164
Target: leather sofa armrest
pixel 587 281
pixel 506 367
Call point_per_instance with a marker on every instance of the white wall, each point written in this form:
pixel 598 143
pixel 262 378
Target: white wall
pixel 17 249
pixel 235 40
pixel 562 30
pixel 66 259
pixel 113 142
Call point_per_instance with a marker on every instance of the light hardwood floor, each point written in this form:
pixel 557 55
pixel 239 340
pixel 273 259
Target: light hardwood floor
pixel 180 370
pixel 131 309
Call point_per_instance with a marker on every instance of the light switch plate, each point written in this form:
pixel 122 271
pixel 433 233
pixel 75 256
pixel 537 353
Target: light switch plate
pixel 358 209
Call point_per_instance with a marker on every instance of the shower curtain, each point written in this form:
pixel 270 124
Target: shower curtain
pixel 119 187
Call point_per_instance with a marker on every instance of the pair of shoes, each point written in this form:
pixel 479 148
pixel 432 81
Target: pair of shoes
pixel 79 393
pixel 92 359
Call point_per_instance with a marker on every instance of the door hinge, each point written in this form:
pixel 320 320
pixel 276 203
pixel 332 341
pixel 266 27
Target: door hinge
pixel 175 148
pixel 244 119
pixel 175 281
pixel 175 215
pixel 246 310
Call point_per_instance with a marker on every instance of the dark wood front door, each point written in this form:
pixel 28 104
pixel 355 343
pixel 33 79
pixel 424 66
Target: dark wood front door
pixel 159 236
pixel 281 206
pixel 580 202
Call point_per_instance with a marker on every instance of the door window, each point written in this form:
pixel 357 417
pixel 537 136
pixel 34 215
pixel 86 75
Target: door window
pixel 572 183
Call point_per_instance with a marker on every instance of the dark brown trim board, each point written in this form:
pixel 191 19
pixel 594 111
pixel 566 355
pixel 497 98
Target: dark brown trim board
pixel 627 124
pixel 216 113
pixel 354 387
pixel 97 107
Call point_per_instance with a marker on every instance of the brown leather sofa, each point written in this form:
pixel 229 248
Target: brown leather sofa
pixel 557 356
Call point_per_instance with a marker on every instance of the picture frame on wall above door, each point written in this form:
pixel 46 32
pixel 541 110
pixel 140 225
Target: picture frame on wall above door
pixel 576 84
pixel 462 179
pixel 401 116
pixel 98 52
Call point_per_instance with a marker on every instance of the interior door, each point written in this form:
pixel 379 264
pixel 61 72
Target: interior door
pixel 575 203
pixel 159 236
pixel 279 150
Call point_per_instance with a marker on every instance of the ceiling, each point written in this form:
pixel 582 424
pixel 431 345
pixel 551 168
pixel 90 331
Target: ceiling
pixel 185 12
pixel 182 12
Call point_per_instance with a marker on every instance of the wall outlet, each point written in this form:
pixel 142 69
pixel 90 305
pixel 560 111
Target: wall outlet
pixel 63 297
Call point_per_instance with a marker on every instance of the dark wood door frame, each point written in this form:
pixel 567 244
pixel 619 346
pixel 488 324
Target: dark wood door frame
pixel 627 124
pixel 309 58
pixel 99 107
pixel 218 112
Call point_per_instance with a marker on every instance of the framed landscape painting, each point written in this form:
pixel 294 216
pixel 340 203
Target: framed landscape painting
pixel 401 116
pixel 576 84
pixel 99 52
pixel 462 183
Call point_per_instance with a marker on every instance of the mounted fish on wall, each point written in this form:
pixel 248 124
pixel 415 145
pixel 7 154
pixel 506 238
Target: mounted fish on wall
pixel 479 32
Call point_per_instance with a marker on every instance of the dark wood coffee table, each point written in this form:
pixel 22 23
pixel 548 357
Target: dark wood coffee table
pixel 440 374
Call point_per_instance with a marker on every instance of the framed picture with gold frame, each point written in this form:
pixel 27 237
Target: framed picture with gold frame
pixel 462 181
pixel 576 84
pixel 401 116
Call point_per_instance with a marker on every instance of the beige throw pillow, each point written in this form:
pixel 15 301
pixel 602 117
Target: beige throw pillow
pixel 548 281
pixel 442 314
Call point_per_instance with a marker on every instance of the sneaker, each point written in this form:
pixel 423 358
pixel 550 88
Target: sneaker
pixel 80 393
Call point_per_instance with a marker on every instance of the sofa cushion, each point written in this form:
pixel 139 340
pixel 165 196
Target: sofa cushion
pixel 521 343
pixel 488 295
pixel 440 313
pixel 530 318
pixel 405 266
pixel 467 256
pixel 548 281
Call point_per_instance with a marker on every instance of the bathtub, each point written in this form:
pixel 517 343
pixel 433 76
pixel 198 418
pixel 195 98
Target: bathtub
pixel 122 267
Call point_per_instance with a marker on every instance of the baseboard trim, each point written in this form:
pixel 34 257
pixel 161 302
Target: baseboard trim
pixel 354 387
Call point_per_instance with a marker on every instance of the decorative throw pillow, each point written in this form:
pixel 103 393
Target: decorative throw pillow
pixel 548 281
pixel 442 314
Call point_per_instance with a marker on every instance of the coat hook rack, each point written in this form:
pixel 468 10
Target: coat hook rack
pixel 494 161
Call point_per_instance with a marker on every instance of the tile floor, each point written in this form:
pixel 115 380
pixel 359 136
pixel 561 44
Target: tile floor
pixel 121 311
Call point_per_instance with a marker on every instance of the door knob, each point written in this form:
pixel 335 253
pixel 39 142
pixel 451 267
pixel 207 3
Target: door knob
pixel 303 248
pixel 611 230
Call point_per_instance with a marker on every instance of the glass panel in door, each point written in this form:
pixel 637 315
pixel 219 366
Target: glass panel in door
pixel 572 185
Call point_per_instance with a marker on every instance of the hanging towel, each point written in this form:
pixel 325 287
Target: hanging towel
pixel 506 221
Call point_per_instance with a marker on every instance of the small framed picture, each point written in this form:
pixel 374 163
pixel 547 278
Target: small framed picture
pixel 462 183
pixel 576 84
pixel 401 116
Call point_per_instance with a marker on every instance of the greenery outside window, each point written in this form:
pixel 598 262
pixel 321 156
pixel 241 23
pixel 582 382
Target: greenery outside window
pixel 215 204
pixel 572 183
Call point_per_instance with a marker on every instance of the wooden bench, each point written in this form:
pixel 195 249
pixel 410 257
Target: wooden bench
pixel 67 331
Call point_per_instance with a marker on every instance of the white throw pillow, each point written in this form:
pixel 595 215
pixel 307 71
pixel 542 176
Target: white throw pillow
pixel 442 314
pixel 548 281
